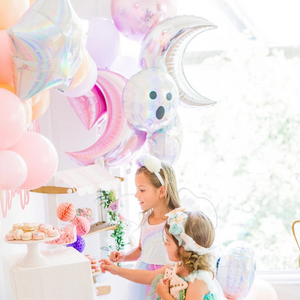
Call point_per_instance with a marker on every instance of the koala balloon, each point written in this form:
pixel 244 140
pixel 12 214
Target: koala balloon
pixel 150 99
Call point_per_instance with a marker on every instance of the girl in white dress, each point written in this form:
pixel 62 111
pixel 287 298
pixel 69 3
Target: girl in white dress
pixel 188 240
pixel 157 194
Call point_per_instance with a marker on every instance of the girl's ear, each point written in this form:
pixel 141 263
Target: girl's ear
pixel 162 191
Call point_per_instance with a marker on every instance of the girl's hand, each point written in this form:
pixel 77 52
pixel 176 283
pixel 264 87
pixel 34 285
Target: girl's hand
pixel 107 265
pixel 116 256
pixel 163 288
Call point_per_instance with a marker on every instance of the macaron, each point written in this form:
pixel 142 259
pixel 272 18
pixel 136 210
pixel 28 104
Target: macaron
pixel 26 236
pixel 9 237
pixel 18 234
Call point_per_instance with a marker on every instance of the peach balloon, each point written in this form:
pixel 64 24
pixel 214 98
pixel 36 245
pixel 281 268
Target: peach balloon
pixel 261 290
pixel 41 106
pixel 6 66
pixel 40 157
pixel 82 72
pixel 7 87
pixel 11 11
pixel 28 109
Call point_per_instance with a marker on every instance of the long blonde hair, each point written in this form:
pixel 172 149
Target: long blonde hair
pixel 171 198
pixel 200 228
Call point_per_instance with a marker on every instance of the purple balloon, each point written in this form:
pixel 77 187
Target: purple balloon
pixel 134 18
pixel 103 42
pixel 90 108
pixel 236 270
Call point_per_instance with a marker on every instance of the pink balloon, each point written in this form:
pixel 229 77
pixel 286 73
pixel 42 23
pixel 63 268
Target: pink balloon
pixel 103 42
pixel 12 119
pixel 116 131
pixel 128 149
pixel 134 18
pixel 90 108
pixel 13 170
pixel 40 157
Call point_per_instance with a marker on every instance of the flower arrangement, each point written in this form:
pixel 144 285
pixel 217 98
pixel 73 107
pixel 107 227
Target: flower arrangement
pixel 109 201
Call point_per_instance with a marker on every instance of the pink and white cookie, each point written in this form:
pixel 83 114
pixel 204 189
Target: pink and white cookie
pixel 38 236
pixel 9 237
pixel 52 233
pixel 45 228
pixel 30 226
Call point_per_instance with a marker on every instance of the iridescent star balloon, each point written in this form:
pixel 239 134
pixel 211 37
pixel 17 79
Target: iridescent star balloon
pixel 164 46
pixel 47 46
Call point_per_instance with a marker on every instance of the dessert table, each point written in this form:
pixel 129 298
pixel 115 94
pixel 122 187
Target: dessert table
pixel 66 276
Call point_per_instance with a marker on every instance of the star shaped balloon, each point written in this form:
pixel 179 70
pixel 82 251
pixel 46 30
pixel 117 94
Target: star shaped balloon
pixel 47 46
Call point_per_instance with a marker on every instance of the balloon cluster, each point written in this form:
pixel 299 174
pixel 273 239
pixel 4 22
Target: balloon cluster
pixel 52 48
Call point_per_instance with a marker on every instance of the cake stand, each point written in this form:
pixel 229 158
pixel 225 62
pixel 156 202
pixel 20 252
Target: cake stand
pixel 33 257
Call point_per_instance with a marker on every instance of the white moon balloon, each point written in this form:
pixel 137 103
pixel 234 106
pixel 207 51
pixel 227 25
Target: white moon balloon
pixel 164 46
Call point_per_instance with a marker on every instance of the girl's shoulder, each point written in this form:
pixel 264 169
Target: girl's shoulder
pixel 205 280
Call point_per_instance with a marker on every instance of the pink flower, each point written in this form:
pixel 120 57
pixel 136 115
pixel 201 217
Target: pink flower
pixel 113 206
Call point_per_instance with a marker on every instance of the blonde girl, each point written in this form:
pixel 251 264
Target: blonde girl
pixel 157 194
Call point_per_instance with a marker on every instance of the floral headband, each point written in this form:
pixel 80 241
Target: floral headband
pixel 152 163
pixel 177 219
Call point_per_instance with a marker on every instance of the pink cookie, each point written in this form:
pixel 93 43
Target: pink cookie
pixel 10 237
pixel 38 236
pixel 52 233
pixel 45 227
pixel 66 211
pixel 82 225
pixel 18 226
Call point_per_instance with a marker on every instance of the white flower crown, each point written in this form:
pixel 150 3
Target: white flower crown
pixel 177 219
pixel 152 163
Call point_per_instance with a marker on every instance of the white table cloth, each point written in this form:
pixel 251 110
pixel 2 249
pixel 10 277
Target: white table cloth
pixel 67 277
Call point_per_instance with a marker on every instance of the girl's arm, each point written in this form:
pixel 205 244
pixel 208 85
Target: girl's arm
pixel 134 254
pixel 139 276
pixel 196 290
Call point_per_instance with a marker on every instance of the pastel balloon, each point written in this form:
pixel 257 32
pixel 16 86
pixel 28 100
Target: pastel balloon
pixel 126 65
pixel 261 290
pixel 150 99
pixel 42 105
pixel 164 47
pixel 166 143
pixel 28 109
pixel 134 18
pixel 82 72
pixel 40 157
pixel 116 131
pixel 47 47
pixel 128 149
pixel 90 108
pixel 11 11
pixel 12 119
pixel 103 42
pixel 86 85
pixel 7 87
pixel 236 270
pixel 13 171
pixel 6 66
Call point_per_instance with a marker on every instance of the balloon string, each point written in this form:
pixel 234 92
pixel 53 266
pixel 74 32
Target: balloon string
pixel 7 203
pixel 217 219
